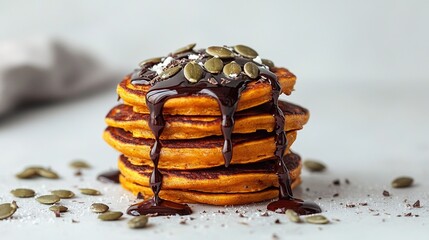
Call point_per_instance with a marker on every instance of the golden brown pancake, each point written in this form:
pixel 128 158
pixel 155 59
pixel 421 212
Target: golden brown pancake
pixel 255 94
pixel 183 196
pixel 189 127
pixel 241 178
pixel 196 153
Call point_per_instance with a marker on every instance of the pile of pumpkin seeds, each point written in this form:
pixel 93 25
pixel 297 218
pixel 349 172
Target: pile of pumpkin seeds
pixel 33 172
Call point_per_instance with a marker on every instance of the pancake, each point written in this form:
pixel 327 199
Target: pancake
pixel 191 127
pixel 255 94
pixel 220 199
pixel 234 179
pixel 196 153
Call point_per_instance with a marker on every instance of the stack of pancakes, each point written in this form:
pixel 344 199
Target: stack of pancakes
pixel 191 159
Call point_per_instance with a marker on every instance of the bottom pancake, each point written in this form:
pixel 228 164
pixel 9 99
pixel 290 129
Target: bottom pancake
pixel 242 178
pixel 183 196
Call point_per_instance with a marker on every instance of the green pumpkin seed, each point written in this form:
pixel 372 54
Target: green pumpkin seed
pixel 193 72
pixel 110 216
pixel 63 194
pixel 89 191
pixel 402 182
pixel 317 219
pixel 150 61
pixel 170 72
pixel 251 70
pixel 7 210
pixel 78 164
pixel 314 166
pixel 23 193
pixel 245 51
pixel 47 173
pixel 268 62
pixel 27 173
pixel 214 65
pixel 232 69
pixel 138 222
pixel 292 216
pixel 219 52
pixel 58 208
pixel 48 199
pixel 184 49
pixel 99 208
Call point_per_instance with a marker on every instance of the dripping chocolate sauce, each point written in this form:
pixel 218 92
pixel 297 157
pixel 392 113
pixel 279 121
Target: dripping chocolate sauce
pixel 227 93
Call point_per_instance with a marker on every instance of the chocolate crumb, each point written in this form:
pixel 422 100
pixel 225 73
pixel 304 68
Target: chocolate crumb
pixel 376 214
pixel 192 218
pixel 386 193
pixel 244 223
pixel 275 237
pixel 277 221
pixel 336 182
pixel 417 204
pixel 75 221
pixel 78 173
pixel 241 215
pixel 204 211
pixel 236 211
pixel 307 189
pixel 140 195
pixel 320 198
pixel 363 204
pixel 350 205
pixel 347 181
pixel 336 195
pixel 183 222
pixel 416 215
pixel 399 215
pixel 336 219
pixel 265 214
pixel 57 214
pixel 408 214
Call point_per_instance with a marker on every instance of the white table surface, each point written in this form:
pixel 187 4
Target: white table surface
pixel 367 134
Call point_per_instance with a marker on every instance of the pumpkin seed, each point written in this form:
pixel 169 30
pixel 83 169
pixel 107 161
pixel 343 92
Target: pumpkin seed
pixel 293 216
pixel 268 62
pixel 220 52
pixel 27 173
pixel 184 49
pixel 48 199
pixel 63 194
pixel 251 70
pixel 89 191
pixel 79 164
pixel 99 208
pixel 314 166
pixel 23 193
pixel 402 182
pixel 317 219
pixel 214 65
pixel 193 72
pixel 170 72
pixel 232 69
pixel 150 61
pixel 7 210
pixel 110 216
pixel 138 222
pixel 245 51
pixel 58 208
pixel 47 173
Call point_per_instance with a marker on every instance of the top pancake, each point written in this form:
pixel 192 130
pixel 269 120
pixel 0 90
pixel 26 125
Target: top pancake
pixel 255 94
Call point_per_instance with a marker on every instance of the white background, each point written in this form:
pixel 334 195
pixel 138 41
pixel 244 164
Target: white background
pixel 362 70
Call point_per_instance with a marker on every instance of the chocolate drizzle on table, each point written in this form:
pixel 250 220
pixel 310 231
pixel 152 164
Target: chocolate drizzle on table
pixel 226 90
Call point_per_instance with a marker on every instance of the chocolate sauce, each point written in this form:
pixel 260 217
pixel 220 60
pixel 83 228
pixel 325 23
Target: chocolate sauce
pixel 227 92
pixel 109 177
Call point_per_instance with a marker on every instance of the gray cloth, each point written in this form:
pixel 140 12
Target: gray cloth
pixel 46 69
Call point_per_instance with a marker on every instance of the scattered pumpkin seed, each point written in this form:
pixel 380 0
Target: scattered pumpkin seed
pixel 110 216
pixel 63 194
pixel 99 208
pixel 184 49
pixel 220 52
pixel 402 182
pixel 48 199
pixel 47 173
pixel 293 216
pixel 89 191
pixel 7 210
pixel 78 164
pixel 170 72
pixel 232 69
pixel 267 62
pixel 214 65
pixel 193 72
pixel 23 193
pixel 317 219
pixel 314 166
pixel 138 222
pixel 58 208
pixel 245 51
pixel 27 173
pixel 251 70
pixel 150 61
